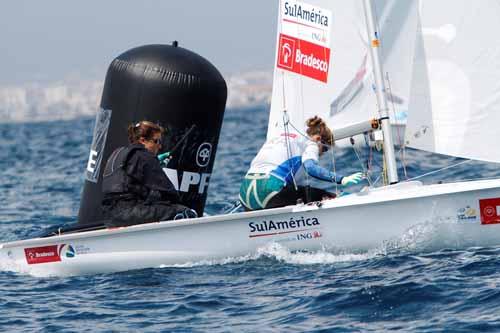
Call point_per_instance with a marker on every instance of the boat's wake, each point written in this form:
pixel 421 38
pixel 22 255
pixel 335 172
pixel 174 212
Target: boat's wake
pixel 439 234
pixel 279 252
pixel 282 253
pixel 427 237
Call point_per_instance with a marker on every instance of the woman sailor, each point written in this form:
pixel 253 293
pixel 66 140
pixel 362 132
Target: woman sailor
pixel 270 181
pixel 136 190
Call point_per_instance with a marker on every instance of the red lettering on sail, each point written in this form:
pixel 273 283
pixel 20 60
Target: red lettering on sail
pixel 490 210
pixel 304 58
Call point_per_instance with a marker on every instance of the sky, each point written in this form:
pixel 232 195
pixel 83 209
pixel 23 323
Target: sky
pixel 51 40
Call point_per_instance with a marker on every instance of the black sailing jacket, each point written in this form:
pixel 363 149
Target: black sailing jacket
pixel 136 172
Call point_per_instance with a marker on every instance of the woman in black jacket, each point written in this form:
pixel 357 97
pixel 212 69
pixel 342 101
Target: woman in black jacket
pixel 136 190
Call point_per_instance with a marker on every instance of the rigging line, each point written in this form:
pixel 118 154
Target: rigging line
pixel 337 192
pixel 378 179
pixel 283 88
pixel 361 162
pixel 398 129
pixel 302 111
pixel 305 135
pixel 182 139
pixel 286 121
pixel 282 71
pixel 334 166
pixel 370 155
pixel 384 169
pixel 474 179
pixel 322 144
pixel 370 159
pixel 439 170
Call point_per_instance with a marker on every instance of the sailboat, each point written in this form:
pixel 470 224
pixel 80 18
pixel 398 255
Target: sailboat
pixel 346 61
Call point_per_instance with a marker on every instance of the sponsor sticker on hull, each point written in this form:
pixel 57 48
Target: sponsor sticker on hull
pixel 42 254
pixel 490 210
pixel 54 253
pixel 296 228
pixel 467 214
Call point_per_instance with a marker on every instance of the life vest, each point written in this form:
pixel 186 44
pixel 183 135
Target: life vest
pixel 116 180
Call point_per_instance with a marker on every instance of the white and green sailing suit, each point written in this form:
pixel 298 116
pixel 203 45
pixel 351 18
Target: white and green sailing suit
pixel 275 166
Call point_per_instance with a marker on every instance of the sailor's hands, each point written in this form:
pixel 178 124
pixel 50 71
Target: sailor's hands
pixel 164 158
pixel 352 179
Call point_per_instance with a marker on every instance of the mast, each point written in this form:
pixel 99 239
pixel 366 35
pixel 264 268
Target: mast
pixel 380 89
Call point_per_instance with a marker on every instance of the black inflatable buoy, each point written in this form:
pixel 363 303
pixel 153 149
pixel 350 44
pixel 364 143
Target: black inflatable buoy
pixel 171 86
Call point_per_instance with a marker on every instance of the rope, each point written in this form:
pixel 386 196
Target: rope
pixel 365 171
pixel 286 121
pixel 384 171
pixel 439 170
pixel 334 169
pixel 305 135
pixel 323 145
pixel 400 138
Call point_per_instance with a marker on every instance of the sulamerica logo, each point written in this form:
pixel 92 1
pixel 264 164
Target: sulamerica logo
pixel 306 13
pixel 304 58
pixel 269 228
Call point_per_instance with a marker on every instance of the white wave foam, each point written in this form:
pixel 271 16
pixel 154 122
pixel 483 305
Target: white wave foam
pixel 431 236
pixel 9 265
pixel 282 253
pixel 74 98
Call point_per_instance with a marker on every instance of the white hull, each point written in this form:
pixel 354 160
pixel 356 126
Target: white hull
pixel 356 222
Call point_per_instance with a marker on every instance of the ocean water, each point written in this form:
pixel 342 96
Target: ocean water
pixel 423 283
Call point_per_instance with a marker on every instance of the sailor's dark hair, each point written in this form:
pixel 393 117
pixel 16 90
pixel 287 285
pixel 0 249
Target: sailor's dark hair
pixel 143 129
pixel 316 126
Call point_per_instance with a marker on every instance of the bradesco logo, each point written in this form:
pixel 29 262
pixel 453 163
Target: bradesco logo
pixel 42 254
pixel 51 253
pixel 304 58
pixel 286 52
pixel 490 210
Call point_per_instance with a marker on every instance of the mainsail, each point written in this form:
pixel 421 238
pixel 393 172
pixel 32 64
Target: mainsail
pixel 455 91
pixel 343 94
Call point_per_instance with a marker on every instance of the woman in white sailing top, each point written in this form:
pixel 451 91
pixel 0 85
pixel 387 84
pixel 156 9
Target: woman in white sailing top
pixel 270 180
